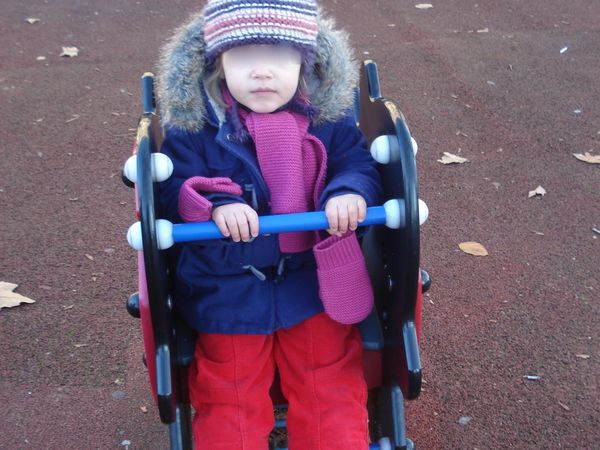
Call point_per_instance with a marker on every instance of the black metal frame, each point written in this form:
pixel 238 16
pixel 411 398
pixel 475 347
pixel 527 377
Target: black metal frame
pixel 170 387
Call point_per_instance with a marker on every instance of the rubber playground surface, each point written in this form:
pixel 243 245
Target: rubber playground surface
pixel 510 341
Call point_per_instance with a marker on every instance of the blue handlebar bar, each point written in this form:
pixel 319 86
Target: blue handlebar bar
pixel 283 223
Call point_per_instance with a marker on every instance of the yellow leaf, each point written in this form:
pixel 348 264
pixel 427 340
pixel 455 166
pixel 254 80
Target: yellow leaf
pixel 8 298
pixel 473 248
pixel 588 158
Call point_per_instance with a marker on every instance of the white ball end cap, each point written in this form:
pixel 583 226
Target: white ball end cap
pixel 164 234
pixel 423 212
pixel 394 213
pixel 134 236
pixel 415 146
pixel 130 169
pixel 381 150
pixel 162 167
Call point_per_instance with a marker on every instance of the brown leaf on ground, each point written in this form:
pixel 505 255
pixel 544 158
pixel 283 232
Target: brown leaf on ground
pixel 587 157
pixel 473 248
pixel 450 158
pixel 70 52
pixel 8 298
pixel 537 191
pixel 563 406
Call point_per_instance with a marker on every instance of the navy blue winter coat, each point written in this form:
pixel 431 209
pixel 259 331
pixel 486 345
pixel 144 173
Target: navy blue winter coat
pixel 221 286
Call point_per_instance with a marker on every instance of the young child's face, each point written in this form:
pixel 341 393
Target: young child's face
pixel 263 78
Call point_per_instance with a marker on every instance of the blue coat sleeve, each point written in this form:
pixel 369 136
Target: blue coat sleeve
pixel 350 167
pixel 186 151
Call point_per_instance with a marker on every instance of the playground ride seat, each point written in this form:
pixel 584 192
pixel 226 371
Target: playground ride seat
pixel 390 333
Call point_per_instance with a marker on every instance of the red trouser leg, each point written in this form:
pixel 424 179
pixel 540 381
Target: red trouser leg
pixel 320 364
pixel 229 389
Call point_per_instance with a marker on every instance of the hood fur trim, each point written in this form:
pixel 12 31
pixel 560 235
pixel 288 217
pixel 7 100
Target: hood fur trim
pixel 182 68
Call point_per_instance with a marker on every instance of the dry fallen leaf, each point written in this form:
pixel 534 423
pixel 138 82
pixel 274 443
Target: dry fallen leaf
pixel 144 409
pixel 532 377
pixel 70 52
pixel 90 257
pixel 563 406
pixel 473 248
pixel 587 157
pixel 450 158
pixel 32 20
pixel 583 356
pixel 537 191
pixel 8 298
pixel 423 6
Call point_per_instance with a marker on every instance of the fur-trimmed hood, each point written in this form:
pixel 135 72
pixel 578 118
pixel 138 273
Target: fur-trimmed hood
pixel 182 68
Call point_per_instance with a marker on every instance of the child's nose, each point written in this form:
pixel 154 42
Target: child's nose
pixel 262 71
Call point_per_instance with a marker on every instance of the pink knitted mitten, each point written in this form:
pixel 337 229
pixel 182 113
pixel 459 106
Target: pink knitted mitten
pixel 344 284
pixel 193 207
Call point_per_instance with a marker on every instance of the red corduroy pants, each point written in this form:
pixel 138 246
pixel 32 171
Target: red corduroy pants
pixel 319 363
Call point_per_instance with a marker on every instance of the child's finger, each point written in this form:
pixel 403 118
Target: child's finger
pixel 244 229
pixel 219 220
pixel 252 217
pixel 343 218
pixel 362 210
pixel 331 213
pixel 232 225
pixel 333 232
pixel 352 216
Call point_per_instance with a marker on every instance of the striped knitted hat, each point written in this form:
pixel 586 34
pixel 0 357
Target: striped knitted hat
pixel 230 23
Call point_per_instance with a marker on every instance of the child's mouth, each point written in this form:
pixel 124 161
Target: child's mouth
pixel 263 91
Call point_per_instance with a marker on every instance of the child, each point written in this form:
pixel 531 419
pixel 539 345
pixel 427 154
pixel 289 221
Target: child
pixel 254 98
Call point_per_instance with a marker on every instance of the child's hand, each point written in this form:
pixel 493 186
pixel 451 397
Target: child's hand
pixel 344 212
pixel 237 220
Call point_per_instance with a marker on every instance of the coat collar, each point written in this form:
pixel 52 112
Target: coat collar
pixel 183 103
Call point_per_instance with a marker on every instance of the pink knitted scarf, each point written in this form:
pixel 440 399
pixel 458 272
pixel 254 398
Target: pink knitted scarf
pixel 293 163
